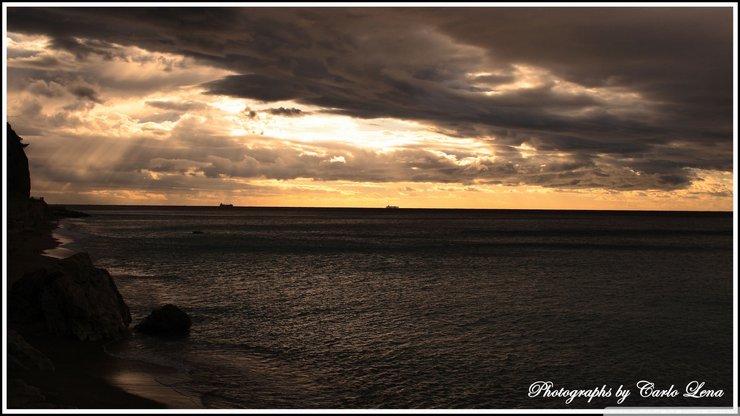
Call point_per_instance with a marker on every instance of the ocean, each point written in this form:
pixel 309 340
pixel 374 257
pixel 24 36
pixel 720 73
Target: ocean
pixel 309 308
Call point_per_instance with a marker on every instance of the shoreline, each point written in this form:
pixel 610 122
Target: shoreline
pixel 59 251
pixel 85 376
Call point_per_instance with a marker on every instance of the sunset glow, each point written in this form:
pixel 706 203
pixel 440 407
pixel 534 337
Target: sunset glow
pixel 414 113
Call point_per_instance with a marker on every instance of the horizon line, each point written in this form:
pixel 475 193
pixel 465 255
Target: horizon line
pixel 383 208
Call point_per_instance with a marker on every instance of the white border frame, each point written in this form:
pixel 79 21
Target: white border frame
pixel 608 410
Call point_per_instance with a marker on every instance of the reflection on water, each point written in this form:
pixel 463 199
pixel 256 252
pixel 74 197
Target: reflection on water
pixel 63 239
pixel 311 308
pixel 145 384
pixel 58 253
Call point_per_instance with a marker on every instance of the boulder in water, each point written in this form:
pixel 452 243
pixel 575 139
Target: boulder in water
pixel 167 320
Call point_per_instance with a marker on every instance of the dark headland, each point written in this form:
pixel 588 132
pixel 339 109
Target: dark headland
pixel 62 313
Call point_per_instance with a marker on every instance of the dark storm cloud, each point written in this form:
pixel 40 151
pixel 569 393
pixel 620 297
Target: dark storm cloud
pixel 285 112
pixel 47 89
pixel 663 52
pixel 85 93
pixel 258 87
pixel 434 66
pixel 81 49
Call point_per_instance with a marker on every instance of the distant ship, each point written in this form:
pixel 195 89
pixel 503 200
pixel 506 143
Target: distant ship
pixel 226 205
pixel 391 207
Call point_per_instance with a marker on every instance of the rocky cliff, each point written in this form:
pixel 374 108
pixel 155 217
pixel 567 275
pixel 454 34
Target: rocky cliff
pixel 69 297
pixel 51 299
pixel 24 212
pixel 19 177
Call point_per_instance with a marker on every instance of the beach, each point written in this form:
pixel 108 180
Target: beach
pixel 84 376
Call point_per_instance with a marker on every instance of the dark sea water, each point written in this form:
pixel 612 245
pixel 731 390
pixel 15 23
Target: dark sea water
pixel 379 308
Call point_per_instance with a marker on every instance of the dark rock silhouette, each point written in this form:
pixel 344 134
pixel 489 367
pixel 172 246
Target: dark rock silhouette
pixel 24 213
pixel 21 355
pixel 22 395
pixel 69 298
pixel 64 212
pixel 73 299
pixel 19 177
pixel 168 321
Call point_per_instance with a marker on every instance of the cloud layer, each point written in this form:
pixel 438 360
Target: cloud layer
pixel 570 98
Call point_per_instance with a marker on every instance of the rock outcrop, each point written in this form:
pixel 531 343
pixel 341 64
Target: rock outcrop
pixel 166 321
pixel 22 356
pixel 63 212
pixel 19 177
pixel 24 213
pixel 23 396
pixel 73 299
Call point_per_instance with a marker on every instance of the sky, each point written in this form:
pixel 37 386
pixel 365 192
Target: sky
pixel 485 107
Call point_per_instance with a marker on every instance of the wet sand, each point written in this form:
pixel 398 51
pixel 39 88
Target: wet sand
pixel 86 377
